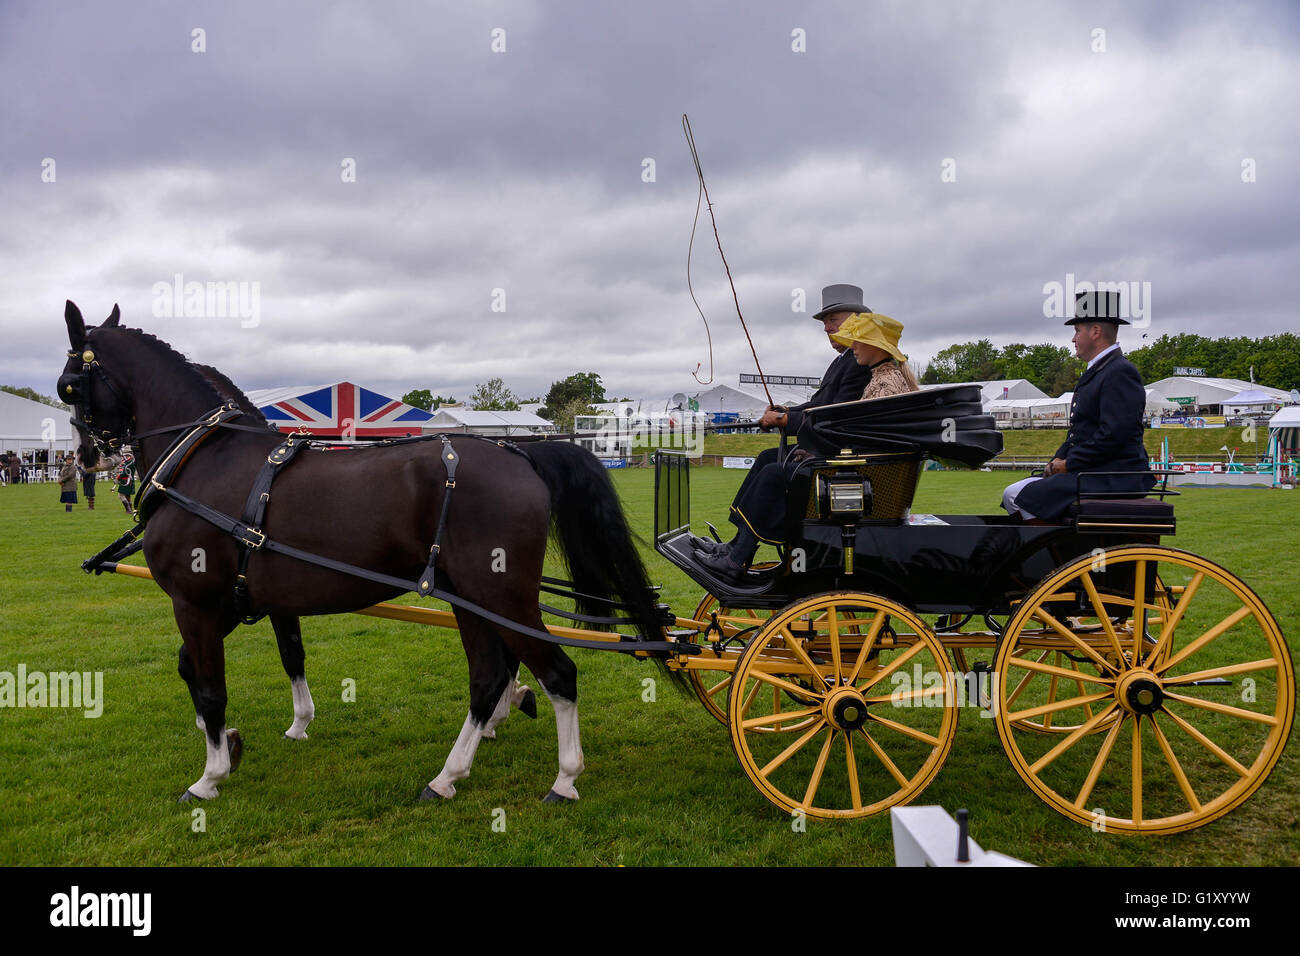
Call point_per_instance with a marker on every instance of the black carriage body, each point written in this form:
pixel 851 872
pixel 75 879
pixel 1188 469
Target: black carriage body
pixel 940 564
pixel 970 564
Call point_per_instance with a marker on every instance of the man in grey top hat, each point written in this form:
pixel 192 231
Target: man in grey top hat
pixel 1105 422
pixel 844 378
pixel 843 381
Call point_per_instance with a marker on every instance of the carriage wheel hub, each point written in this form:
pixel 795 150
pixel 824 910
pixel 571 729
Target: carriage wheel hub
pixel 845 709
pixel 1139 692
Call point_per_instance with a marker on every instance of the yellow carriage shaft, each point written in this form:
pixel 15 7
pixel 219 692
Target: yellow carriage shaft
pixel 431 617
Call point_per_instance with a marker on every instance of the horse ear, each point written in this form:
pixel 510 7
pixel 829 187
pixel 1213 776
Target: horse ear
pixel 76 326
pixel 112 320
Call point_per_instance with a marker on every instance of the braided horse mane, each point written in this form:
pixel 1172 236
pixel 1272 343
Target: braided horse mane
pixel 229 391
pixel 221 387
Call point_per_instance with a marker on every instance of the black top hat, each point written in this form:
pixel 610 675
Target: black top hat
pixel 841 298
pixel 1096 307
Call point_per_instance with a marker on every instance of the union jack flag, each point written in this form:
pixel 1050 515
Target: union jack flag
pixel 345 410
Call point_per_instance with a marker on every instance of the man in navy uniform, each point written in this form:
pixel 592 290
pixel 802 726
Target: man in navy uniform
pixel 843 381
pixel 1105 422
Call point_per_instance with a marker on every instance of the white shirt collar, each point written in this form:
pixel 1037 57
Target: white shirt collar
pixel 1098 357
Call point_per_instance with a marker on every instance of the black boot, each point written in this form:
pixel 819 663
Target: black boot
pixel 708 545
pixel 730 565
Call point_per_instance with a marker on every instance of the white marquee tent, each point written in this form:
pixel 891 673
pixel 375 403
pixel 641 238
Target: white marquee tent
pixel 27 427
pixel 1201 391
pixel 1252 401
pixel 499 424
pixel 1053 410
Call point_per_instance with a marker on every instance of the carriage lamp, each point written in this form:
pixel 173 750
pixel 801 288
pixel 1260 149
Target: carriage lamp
pixel 846 496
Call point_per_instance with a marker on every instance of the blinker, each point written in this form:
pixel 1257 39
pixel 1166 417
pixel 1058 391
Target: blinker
pixel 70 385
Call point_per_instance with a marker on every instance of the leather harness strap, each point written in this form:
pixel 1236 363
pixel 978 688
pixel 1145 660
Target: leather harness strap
pixel 247 531
pixel 177 453
pixel 254 538
pixel 449 460
pixel 163 470
pixel 255 514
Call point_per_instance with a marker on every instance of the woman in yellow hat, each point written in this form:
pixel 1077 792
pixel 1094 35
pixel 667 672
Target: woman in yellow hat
pixel 874 340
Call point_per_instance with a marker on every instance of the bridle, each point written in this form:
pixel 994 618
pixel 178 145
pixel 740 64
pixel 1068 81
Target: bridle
pixel 75 388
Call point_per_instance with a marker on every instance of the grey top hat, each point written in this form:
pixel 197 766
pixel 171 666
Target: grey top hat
pixel 1096 307
pixel 841 298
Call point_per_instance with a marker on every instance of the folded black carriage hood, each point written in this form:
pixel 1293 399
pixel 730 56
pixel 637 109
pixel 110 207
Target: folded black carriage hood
pixel 947 422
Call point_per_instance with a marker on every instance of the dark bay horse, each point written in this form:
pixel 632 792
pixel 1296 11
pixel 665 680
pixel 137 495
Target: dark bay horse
pixel 376 508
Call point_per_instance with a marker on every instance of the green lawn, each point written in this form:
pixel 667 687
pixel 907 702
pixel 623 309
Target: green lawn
pixel 661 786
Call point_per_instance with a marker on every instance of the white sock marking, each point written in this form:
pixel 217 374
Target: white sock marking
pixel 459 760
pixel 566 730
pixel 304 711
pixel 216 770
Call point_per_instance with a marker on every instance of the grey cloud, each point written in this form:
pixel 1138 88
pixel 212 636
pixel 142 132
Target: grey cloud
pixel 522 171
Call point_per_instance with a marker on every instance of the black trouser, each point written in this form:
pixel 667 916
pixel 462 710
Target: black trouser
pixel 761 500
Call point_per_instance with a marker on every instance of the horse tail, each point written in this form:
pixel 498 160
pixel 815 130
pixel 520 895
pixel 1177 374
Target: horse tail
pixel 588 522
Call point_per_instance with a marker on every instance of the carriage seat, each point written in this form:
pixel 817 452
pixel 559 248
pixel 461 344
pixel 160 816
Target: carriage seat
pixel 1126 507
pixel 1127 513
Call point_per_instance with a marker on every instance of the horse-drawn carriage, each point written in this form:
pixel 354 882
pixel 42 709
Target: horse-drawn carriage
pixel 1135 687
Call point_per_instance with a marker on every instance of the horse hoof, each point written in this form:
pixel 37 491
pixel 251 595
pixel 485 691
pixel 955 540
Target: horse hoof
pixel 187 796
pixel 528 706
pixel 428 793
pixel 235 746
pixel 553 797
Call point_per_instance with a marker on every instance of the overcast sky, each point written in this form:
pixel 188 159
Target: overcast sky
pixel 951 158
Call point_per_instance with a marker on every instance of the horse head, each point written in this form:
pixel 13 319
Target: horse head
pixel 102 412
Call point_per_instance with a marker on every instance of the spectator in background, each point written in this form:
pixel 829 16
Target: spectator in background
pixel 68 483
pixel 87 483
pixel 124 477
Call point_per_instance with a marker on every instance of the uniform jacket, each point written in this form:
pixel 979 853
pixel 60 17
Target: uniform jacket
pixel 1105 435
pixel 844 381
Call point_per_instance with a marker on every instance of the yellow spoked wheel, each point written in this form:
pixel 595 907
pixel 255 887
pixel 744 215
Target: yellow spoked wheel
pixel 1060 687
pixel 870 691
pixel 1176 715
pixel 711 686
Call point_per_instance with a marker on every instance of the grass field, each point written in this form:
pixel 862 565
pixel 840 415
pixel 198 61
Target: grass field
pixel 661 786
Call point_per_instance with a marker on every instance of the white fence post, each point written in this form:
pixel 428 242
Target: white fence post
pixel 927 836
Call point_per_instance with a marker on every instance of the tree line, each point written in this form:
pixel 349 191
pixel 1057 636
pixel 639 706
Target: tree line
pixel 567 398
pixel 1275 360
pixel 23 391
